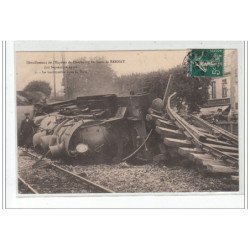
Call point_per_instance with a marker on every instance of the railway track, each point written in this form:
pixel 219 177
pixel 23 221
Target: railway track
pixel 48 177
pixel 24 187
pixel 210 148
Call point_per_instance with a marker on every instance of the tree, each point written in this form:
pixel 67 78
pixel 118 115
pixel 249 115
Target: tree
pixel 193 91
pixel 32 97
pixel 88 77
pixel 38 86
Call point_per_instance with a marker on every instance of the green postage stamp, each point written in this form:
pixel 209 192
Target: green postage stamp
pixel 206 62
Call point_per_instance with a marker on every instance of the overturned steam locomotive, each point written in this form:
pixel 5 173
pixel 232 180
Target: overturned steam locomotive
pixel 102 126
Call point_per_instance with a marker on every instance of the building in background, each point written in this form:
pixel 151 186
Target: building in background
pixel 223 92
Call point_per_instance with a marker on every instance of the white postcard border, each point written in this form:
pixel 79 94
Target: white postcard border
pixel 166 200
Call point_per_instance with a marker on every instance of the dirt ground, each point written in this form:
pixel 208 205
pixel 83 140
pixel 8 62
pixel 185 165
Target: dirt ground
pixel 124 177
pixel 132 178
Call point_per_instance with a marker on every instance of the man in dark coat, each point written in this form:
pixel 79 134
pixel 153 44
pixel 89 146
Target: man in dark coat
pixel 26 131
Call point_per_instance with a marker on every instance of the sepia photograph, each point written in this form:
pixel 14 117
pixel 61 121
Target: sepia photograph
pixel 127 121
pixel 124 125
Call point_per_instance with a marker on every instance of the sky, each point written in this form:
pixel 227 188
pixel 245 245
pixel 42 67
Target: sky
pixel 28 69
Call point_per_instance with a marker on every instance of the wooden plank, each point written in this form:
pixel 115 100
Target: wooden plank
pixel 170 133
pixel 217 142
pixel 166 124
pixel 204 162
pixel 236 155
pixel 222 169
pixel 177 143
pixel 194 157
pixel 155 117
pixel 155 112
pixel 186 151
pixel 223 148
pixel 235 178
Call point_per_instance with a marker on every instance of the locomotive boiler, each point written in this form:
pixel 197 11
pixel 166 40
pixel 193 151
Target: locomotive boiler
pixel 102 126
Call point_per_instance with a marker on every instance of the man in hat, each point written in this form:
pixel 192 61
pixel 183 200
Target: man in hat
pixel 218 116
pixel 26 131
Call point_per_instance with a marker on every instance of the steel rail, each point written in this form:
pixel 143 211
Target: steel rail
pixel 84 180
pixel 231 137
pixel 194 134
pixel 27 185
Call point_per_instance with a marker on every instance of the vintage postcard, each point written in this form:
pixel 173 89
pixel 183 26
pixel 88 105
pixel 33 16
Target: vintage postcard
pixel 160 121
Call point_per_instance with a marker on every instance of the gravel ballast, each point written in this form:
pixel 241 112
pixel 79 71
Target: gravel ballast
pixel 129 178
pixel 47 180
pixel 149 178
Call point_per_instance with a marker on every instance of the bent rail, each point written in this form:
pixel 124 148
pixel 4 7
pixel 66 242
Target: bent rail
pixel 196 136
pixel 227 135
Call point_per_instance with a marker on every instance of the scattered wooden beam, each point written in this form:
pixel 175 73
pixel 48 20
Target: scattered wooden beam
pixel 170 133
pixel 177 143
pixel 217 142
pixel 235 178
pixel 223 148
pixel 155 117
pixel 186 151
pixel 194 157
pixel 222 169
pixel 236 155
pixel 204 162
pixel 166 124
